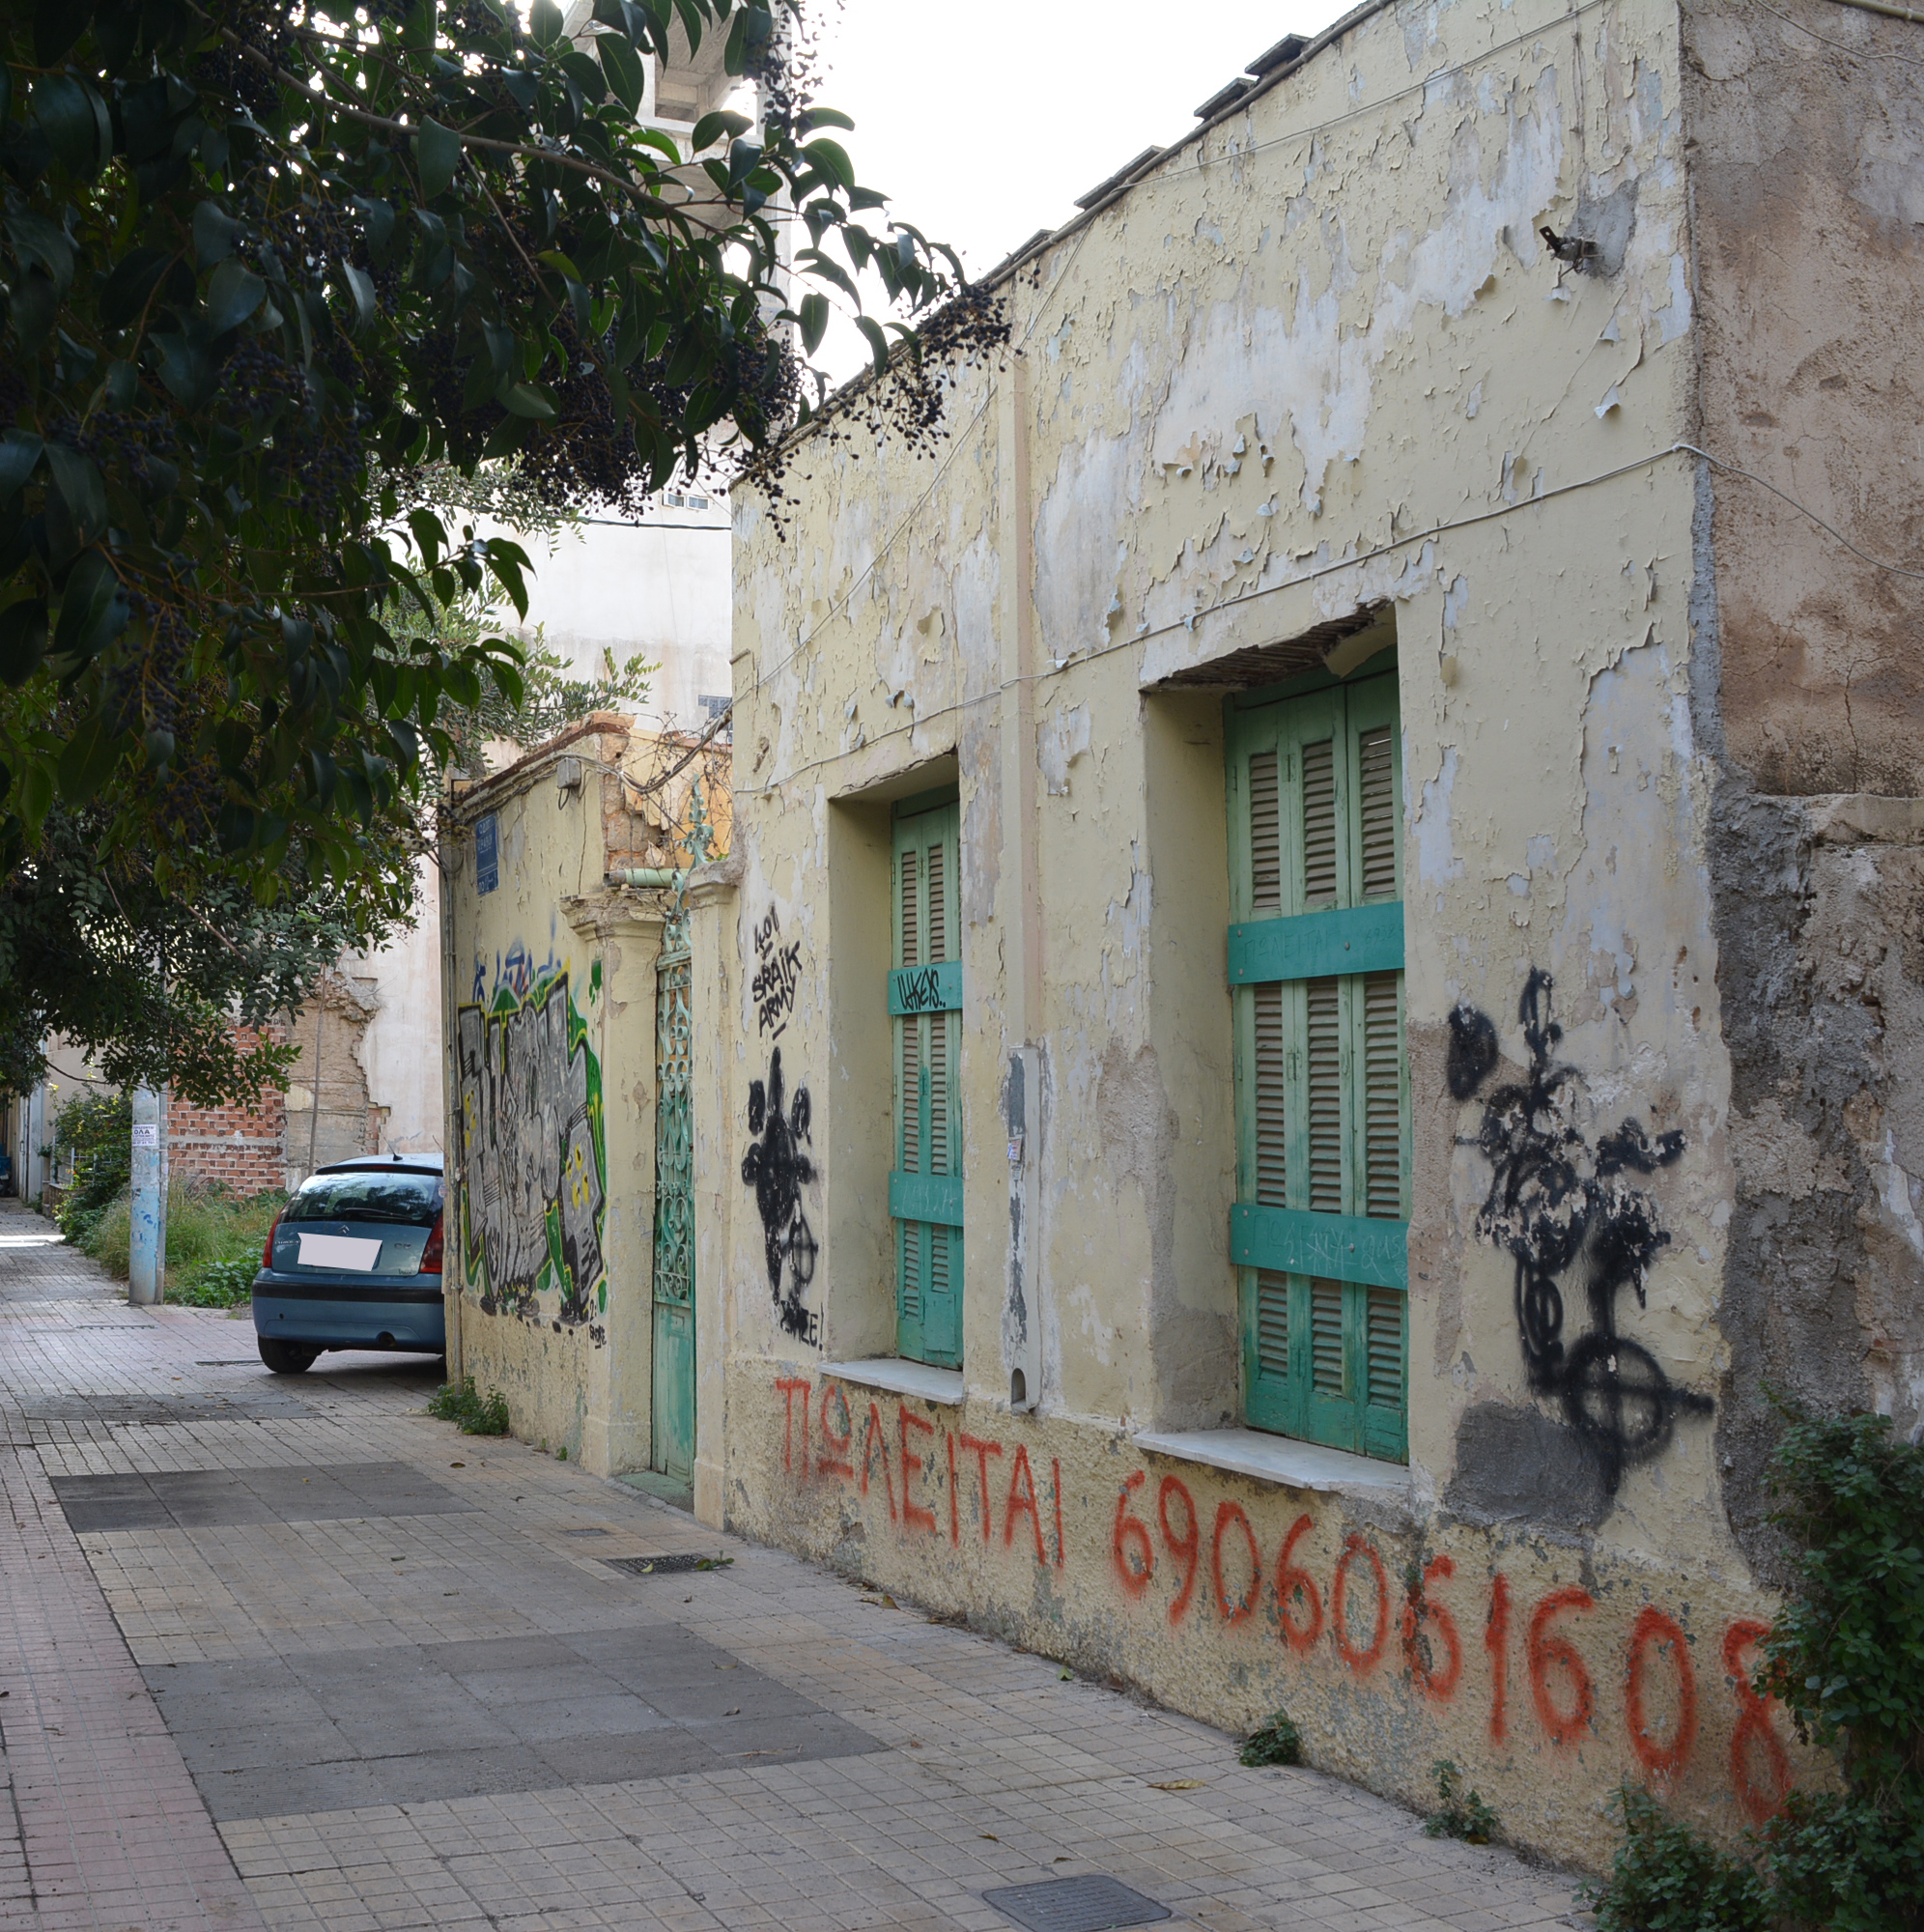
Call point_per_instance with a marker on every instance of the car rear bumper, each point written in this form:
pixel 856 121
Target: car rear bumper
pixel 357 1315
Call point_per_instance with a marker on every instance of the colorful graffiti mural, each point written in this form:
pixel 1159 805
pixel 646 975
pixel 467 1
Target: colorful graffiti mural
pixel 531 1160
pixel 1556 1665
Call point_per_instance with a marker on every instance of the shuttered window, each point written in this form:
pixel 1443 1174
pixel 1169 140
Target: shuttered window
pixel 1320 1229
pixel 925 1012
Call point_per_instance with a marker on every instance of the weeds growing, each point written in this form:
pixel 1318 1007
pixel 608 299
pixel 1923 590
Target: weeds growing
pixel 217 1284
pixel 1278 1742
pixel 206 1224
pixel 1458 1814
pixel 477 1415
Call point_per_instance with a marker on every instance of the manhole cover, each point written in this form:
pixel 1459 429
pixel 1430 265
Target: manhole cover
pixel 1089 1904
pixel 664 1566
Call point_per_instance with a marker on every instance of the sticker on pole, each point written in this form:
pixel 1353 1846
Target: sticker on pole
pixel 146 1133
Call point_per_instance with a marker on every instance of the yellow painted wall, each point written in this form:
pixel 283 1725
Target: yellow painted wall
pixel 1316 363
pixel 552 1156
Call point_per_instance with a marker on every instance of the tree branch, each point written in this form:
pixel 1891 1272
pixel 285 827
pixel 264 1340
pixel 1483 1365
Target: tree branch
pixel 388 126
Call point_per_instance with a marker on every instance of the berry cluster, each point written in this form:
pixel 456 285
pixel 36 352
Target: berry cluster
pixel 130 441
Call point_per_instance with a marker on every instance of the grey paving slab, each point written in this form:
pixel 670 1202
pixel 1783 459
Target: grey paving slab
pixel 383 1681
pixel 206 1498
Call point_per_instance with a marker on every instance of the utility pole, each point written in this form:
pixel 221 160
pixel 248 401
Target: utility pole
pixel 148 1254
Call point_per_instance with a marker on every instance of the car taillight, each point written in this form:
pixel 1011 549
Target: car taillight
pixel 267 1252
pixel 431 1255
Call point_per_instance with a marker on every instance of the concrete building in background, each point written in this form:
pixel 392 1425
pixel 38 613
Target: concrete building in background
pixel 569 1039
pixel 657 587
pixel 1315 984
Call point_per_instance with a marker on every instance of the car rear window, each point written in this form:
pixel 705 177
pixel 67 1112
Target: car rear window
pixel 407 1200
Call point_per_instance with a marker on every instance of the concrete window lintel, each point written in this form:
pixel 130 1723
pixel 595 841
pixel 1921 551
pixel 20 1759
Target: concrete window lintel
pixel 1278 1459
pixel 902 1378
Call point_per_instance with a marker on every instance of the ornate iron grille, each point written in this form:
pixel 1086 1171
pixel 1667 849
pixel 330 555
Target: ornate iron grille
pixel 674 1140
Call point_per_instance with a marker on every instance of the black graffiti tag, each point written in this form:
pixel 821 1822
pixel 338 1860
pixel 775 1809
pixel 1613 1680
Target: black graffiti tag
pixel 919 990
pixel 777 975
pixel 778 1170
pixel 1569 1214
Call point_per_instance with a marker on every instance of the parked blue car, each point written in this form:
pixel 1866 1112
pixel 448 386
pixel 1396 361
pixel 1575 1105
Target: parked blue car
pixel 354 1261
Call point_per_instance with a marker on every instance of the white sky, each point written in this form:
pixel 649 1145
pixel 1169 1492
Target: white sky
pixel 984 121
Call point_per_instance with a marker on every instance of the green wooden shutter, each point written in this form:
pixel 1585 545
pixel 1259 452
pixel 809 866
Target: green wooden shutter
pixel 1323 1083
pixel 924 1006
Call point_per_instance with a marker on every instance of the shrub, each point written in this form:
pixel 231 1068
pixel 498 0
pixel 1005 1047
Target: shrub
pixel 205 1225
pixel 477 1415
pixel 1846 1657
pixel 1457 1814
pixel 1278 1742
pixel 99 1129
pixel 1667 1879
pixel 217 1284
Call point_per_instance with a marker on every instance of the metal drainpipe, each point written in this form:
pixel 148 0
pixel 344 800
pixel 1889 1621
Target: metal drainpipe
pixel 652 876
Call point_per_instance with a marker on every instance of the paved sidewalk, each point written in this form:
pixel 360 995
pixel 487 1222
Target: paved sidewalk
pixel 288 1653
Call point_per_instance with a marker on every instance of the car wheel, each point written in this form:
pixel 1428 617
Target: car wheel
pixel 287 1358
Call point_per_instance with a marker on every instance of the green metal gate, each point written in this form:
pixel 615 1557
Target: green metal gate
pixel 673 1447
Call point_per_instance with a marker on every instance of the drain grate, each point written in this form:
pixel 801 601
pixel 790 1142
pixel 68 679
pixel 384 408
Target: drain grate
pixel 587 1532
pixel 1091 1904
pixel 665 1566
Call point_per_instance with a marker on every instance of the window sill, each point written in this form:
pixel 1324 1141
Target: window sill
pixel 901 1377
pixel 1279 1458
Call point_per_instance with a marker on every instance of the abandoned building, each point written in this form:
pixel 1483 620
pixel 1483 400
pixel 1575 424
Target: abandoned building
pixel 1315 980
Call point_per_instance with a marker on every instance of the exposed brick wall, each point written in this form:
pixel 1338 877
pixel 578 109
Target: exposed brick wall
pixel 244 1149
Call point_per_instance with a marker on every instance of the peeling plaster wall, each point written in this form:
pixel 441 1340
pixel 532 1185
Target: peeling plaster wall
pixel 1318 362
pixel 552 1153
pixel 1808 192
pixel 1810 220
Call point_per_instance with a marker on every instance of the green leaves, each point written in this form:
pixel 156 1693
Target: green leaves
pixel 878 342
pixel 22 639
pixel 232 294
pixel 93 611
pixel 437 153
pixel 360 286
pixel 76 121
pixel 237 318
pixel 217 234
pixel 814 320
pixel 77 505
pixel 622 65
pixel 19 451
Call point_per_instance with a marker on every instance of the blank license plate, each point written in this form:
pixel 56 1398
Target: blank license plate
pixel 339 1251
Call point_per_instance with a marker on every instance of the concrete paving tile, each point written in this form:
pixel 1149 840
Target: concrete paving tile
pixel 410 1700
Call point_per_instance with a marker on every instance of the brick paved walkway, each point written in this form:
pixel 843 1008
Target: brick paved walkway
pixel 290 1655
